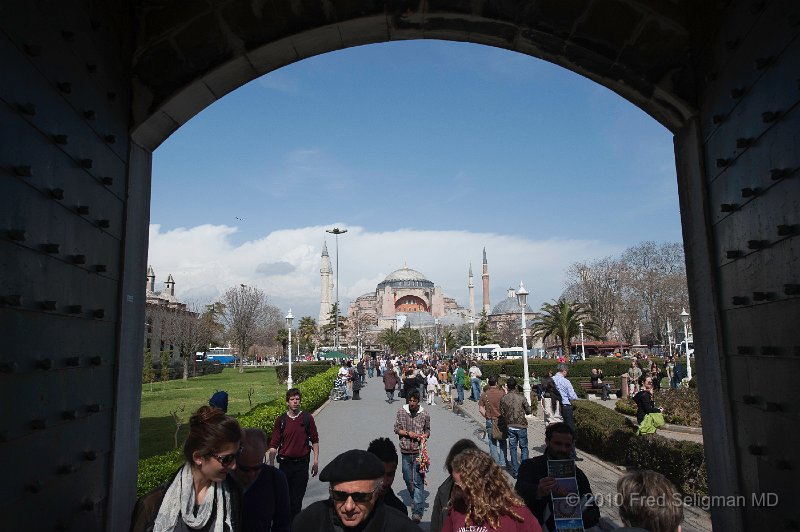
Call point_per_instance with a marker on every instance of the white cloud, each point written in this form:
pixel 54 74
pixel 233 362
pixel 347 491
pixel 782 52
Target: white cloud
pixel 204 262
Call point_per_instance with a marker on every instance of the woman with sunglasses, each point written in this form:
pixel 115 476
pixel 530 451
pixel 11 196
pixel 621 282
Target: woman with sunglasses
pixel 200 495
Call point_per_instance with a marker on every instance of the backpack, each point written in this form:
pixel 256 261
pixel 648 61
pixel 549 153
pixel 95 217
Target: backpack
pixel 306 422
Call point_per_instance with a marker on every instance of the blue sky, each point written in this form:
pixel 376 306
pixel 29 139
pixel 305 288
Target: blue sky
pixel 427 150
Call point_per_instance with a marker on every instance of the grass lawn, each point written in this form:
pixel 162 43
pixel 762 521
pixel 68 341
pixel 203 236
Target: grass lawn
pixel 157 428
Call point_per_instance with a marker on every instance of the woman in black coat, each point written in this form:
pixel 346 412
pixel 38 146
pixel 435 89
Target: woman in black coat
pixel 644 399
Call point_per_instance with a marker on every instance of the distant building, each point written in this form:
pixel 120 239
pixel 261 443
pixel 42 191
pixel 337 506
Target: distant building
pixel 407 297
pixel 157 307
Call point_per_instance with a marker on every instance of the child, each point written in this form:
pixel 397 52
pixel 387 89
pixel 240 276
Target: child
pixel 433 385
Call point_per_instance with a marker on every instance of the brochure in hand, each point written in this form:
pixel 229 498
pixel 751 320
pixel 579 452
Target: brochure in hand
pixel 566 498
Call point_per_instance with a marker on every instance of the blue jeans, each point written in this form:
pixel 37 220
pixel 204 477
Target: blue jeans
pixel 414 482
pixel 517 436
pixel 497 448
pixel 369 372
pixel 476 388
pixel 460 392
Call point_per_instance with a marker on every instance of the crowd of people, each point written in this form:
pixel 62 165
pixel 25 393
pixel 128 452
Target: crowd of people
pixel 230 483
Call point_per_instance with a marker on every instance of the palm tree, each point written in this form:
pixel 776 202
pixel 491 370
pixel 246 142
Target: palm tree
pixel 307 331
pixel 561 319
pixel 282 337
pixel 390 338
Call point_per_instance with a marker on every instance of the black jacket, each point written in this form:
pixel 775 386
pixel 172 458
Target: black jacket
pixel 440 504
pixel 644 400
pixel 531 471
pixel 393 501
pixel 321 517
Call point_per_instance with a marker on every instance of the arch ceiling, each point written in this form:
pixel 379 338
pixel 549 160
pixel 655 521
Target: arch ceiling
pixel 189 54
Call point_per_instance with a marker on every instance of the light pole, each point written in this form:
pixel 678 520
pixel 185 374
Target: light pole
pixel 289 319
pixel 336 231
pixel 583 350
pixel 522 298
pixel 685 320
pixel 436 334
pixel 669 339
pixel 472 336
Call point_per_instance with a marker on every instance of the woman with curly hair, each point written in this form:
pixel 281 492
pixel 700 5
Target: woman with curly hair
pixel 200 495
pixel 483 499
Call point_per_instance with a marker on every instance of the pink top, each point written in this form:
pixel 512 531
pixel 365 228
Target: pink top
pixel 455 522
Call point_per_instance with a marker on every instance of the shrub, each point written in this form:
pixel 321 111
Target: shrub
pixel 626 406
pixel 681 407
pixel 611 436
pixel 682 462
pixel 156 470
pixel 301 371
pixel 601 431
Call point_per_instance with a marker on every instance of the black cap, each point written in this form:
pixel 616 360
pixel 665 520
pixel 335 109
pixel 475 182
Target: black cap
pixel 354 464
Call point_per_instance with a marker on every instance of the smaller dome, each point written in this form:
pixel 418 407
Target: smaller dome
pixel 405 274
pixel 510 305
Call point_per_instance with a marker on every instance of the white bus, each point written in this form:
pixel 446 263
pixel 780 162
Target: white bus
pixel 511 352
pixel 483 352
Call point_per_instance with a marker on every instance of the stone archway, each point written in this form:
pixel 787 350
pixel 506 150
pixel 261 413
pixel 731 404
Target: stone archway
pixel 89 90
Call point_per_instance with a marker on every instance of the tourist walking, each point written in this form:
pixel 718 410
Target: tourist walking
pixel 200 494
pixel 514 407
pixel 433 385
pixel 489 407
pixel 441 503
pixel 389 383
pixel 484 500
pixel 475 381
pixel 294 436
pixel 413 426
pixel 568 395
pixel 458 380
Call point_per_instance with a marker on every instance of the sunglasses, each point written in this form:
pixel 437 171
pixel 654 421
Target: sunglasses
pixel 226 459
pixel 357 496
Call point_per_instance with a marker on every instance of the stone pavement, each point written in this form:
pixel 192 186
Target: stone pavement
pixel 345 425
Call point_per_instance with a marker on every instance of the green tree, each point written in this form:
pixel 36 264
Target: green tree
pixel 165 356
pixel 409 340
pixel 213 331
pixel 484 333
pixel 148 374
pixel 307 333
pixel 561 319
pixel 282 337
pixel 449 340
pixel 391 339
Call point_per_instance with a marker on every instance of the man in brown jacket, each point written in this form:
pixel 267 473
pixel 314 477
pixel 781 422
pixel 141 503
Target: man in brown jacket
pixel 489 407
pixel 514 407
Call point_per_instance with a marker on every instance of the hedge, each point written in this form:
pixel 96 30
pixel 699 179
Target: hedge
pixel 301 371
pixel 156 470
pixel 611 436
pixel 612 367
pixel 681 407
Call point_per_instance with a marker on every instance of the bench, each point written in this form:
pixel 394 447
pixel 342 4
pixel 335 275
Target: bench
pixel 586 386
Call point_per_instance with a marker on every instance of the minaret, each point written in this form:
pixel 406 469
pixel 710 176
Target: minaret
pixel 151 279
pixel 326 287
pixel 471 286
pixel 485 276
pixel 169 286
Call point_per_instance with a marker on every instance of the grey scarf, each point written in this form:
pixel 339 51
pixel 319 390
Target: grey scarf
pixel 178 503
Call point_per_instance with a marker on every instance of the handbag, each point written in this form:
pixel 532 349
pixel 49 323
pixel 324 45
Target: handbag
pixel 499 428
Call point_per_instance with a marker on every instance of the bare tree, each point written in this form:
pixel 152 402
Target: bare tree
pixel 598 284
pixel 248 318
pixel 185 330
pixel 508 333
pixel 656 277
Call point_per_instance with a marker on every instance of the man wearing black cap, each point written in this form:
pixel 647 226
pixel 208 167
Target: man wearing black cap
pixel 355 478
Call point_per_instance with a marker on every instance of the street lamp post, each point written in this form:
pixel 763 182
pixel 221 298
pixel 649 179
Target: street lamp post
pixel 522 298
pixel 336 231
pixel 685 320
pixel 436 334
pixel 289 319
pixel 583 350
pixel 472 336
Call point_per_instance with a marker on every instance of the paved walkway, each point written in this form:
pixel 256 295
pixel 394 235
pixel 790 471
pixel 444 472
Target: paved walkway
pixel 345 425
